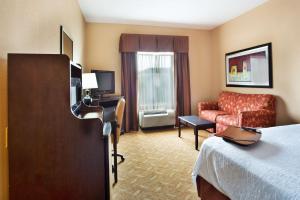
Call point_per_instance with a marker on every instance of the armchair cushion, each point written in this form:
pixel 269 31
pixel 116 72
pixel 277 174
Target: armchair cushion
pixel 258 118
pixel 211 115
pixel 228 120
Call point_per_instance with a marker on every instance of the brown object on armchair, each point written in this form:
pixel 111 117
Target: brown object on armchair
pixel 239 110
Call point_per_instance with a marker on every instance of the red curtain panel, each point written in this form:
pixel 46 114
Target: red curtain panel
pixel 129 90
pixel 183 89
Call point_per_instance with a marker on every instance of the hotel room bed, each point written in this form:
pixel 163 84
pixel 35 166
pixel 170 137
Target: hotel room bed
pixel 269 169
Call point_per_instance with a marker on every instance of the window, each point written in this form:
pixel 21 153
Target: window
pixel 155 81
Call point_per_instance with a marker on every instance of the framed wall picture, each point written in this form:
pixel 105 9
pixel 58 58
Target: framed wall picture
pixel 66 44
pixel 251 67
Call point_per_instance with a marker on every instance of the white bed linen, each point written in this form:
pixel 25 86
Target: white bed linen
pixel 269 169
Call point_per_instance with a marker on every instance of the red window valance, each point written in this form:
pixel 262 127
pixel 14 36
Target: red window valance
pixel 153 43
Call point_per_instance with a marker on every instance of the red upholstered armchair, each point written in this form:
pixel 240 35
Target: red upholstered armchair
pixel 240 110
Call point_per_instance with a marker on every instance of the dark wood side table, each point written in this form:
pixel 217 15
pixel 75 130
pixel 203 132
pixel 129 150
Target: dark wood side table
pixel 197 124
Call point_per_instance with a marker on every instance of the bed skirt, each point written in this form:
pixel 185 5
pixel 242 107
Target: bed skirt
pixel 206 191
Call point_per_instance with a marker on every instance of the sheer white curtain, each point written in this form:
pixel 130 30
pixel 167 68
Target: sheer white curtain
pixel 155 81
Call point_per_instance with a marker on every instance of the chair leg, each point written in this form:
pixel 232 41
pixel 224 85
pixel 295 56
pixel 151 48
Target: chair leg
pixel 113 169
pixel 119 155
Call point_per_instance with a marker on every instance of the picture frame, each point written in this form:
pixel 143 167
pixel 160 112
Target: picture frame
pixel 251 67
pixel 66 44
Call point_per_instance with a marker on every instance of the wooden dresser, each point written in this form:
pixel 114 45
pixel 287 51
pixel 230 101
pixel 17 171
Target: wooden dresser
pixel 53 154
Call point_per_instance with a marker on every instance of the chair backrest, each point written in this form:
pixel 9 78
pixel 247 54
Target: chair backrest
pixel 119 117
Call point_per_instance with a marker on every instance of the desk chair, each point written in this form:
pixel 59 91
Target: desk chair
pixel 119 119
pixel 116 136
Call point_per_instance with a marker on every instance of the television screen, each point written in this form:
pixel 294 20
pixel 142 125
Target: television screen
pixel 106 82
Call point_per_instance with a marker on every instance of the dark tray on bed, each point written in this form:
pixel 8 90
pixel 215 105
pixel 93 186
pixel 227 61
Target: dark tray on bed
pixel 241 136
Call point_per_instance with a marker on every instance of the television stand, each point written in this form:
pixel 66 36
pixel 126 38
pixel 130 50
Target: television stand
pixel 103 96
pixel 106 101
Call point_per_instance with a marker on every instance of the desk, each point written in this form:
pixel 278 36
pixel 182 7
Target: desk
pixel 108 117
pixel 53 154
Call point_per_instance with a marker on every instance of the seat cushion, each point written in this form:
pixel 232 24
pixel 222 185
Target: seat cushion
pixel 231 120
pixel 211 115
pixel 221 127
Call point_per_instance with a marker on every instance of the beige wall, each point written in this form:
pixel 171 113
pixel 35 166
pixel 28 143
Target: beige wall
pixel 102 52
pixel 32 26
pixel 278 22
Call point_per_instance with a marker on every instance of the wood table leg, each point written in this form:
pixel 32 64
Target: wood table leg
pixel 115 148
pixel 115 164
pixel 215 129
pixel 196 138
pixel 179 128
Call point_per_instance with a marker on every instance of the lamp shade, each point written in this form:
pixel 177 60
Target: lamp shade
pixel 89 81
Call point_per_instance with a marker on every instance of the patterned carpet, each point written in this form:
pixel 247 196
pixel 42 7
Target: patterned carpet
pixel 157 166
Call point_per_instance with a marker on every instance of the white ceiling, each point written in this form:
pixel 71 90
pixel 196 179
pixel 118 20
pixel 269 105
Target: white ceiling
pixel 202 14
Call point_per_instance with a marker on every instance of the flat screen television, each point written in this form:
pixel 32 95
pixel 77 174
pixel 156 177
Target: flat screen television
pixel 106 82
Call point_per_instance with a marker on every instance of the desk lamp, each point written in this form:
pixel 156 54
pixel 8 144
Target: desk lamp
pixel 89 81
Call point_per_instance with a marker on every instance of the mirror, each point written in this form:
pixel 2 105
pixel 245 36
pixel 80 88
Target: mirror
pixel 66 44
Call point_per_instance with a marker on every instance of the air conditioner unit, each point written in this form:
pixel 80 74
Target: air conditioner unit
pixel 156 118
